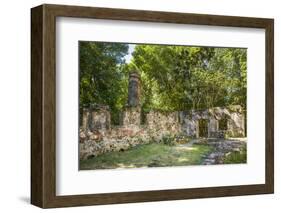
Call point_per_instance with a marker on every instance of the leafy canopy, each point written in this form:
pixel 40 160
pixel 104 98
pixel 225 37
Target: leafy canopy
pixel 172 77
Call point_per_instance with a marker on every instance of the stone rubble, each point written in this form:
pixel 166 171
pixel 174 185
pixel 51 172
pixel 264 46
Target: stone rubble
pixel 222 149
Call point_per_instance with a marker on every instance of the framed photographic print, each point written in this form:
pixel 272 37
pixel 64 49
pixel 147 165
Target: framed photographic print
pixel 136 106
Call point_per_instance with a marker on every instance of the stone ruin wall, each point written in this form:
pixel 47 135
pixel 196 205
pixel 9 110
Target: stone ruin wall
pixel 130 116
pixel 233 114
pixel 161 124
pixel 98 136
pixel 96 118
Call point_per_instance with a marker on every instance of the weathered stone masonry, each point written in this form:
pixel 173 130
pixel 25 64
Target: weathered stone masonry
pixel 232 117
pixel 98 136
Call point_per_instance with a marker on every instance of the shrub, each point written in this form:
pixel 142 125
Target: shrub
pixel 169 140
pixel 237 157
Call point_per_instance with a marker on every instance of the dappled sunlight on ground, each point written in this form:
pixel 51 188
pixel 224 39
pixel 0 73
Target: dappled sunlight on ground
pixel 185 148
pixel 149 155
pixel 124 166
pixel 238 139
pixel 183 160
pixel 195 152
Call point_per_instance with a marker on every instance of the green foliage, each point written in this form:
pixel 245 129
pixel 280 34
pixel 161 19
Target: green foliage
pixel 169 140
pixel 180 78
pixel 172 77
pixel 232 64
pixel 102 74
pixel 236 157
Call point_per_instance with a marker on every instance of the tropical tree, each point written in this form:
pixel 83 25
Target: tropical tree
pixel 172 77
pixel 101 77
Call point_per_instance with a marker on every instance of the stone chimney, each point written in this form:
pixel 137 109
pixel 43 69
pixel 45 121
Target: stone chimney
pixel 134 89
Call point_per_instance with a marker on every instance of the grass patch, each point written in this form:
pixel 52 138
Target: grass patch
pixel 236 157
pixel 149 155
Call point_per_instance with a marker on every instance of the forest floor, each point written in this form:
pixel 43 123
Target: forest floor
pixel 195 152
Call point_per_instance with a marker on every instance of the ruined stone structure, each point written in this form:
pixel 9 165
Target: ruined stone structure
pixel 217 122
pixel 134 89
pixel 98 136
pixel 96 118
pixel 131 114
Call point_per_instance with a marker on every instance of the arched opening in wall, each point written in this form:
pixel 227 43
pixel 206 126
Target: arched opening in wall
pixel 143 117
pixel 115 116
pixel 223 124
pixel 80 116
pixel 245 122
pixel 203 128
